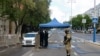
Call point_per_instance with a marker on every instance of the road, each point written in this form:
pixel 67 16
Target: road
pixel 83 47
pixel 55 48
pixel 80 47
pixel 87 36
pixel 80 44
pixel 14 51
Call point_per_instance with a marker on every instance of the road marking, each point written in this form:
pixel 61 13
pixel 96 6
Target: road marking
pixel 55 41
pixel 76 39
pixel 14 47
pixel 29 53
pixel 72 46
pixel 73 41
pixel 51 41
pixel 2 51
pixel 75 54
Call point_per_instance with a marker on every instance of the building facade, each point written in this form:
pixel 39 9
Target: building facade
pixel 90 12
pixel 7 33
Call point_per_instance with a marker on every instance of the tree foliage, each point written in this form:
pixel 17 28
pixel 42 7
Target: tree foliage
pixel 88 21
pixel 77 21
pixel 27 12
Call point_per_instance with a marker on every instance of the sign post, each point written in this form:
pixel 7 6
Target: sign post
pixel 94 21
pixel 84 21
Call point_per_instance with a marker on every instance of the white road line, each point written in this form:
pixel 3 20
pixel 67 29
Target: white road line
pixel 55 41
pixel 75 54
pixel 61 41
pixel 72 46
pixel 73 41
pixel 14 47
pixel 29 53
pixel 2 51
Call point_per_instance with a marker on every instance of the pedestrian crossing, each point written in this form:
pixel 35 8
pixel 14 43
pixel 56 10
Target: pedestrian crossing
pixel 73 40
pixel 78 40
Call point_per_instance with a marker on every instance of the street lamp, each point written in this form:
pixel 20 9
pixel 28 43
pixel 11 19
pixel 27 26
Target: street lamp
pixel 94 8
pixel 71 13
pixel 71 3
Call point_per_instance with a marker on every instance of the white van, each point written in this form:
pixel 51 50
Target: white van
pixel 29 38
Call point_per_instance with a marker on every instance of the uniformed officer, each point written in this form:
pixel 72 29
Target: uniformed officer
pixel 67 42
pixel 46 39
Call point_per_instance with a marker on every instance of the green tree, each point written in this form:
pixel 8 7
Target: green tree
pixel 88 21
pixel 22 12
pixel 41 12
pixel 74 23
pixel 19 10
pixel 77 21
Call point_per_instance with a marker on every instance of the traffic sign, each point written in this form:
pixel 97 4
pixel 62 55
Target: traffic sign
pixel 83 20
pixel 95 20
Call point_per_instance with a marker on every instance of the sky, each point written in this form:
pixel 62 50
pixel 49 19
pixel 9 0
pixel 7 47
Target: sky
pixel 61 9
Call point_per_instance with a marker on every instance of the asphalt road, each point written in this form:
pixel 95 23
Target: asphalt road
pixel 80 44
pixel 84 48
pixel 55 48
pixel 80 47
pixel 14 51
pixel 87 36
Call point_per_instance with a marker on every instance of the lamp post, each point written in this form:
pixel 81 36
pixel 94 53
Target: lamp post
pixel 71 13
pixel 71 4
pixel 71 1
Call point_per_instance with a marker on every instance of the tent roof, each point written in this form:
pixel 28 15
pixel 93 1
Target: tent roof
pixel 54 24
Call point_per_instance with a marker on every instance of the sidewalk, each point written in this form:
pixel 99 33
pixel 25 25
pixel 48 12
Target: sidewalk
pixel 52 50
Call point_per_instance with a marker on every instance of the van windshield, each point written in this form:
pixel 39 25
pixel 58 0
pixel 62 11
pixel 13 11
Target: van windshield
pixel 29 35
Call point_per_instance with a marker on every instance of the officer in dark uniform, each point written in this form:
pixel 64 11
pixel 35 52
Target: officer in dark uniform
pixel 41 38
pixel 46 39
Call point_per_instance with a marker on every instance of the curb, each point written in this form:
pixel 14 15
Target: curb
pixel 96 43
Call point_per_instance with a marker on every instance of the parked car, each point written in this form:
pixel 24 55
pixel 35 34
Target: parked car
pixel 90 30
pixel 98 30
pixel 29 38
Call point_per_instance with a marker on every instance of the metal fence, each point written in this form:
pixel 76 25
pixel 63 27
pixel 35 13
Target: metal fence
pixel 7 40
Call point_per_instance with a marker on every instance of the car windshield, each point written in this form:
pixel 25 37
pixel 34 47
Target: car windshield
pixel 29 35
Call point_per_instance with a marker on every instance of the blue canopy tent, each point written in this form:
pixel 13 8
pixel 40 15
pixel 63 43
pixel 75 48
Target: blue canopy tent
pixel 54 24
